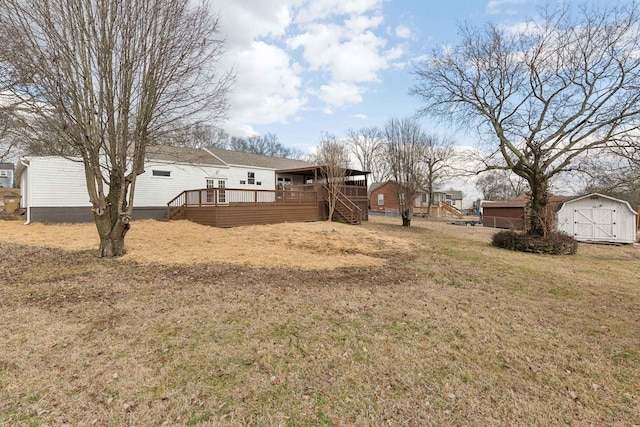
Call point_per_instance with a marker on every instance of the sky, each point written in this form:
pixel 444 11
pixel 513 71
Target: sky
pixel 304 67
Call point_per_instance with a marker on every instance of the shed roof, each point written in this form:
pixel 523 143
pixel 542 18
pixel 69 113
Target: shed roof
pixel 7 166
pixel 598 195
pixel 239 158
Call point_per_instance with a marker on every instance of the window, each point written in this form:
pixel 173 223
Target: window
pixel 424 198
pixel 4 173
pixel 380 199
pixel 243 182
pixel 283 181
pixel 258 182
pixel 251 177
pixel 161 173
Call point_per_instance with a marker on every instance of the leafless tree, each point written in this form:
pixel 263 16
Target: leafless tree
pixel 545 92
pixel 614 176
pixel 333 158
pixel 267 145
pixel 406 143
pixel 368 146
pixel 438 154
pixel 500 185
pixel 109 77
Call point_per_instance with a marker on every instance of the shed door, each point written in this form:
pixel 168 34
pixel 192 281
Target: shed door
pixel 595 223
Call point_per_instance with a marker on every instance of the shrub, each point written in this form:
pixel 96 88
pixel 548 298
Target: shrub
pixel 554 243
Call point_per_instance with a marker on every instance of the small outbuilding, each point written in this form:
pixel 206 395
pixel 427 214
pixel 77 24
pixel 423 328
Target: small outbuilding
pixel 598 218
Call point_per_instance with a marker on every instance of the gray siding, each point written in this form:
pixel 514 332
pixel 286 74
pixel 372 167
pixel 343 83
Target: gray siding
pixel 57 215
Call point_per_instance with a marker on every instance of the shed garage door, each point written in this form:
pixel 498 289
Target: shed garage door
pixel 594 223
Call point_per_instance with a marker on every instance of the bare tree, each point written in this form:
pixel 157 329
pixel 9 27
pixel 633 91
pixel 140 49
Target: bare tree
pixel 545 92
pixel 333 158
pixel 267 145
pixel 406 142
pixel 500 185
pixel 109 77
pixel 438 153
pixel 368 146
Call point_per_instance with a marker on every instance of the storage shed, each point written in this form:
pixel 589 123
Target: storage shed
pixel 598 218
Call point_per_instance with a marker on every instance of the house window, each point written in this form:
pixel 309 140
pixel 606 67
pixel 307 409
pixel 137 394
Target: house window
pixel 4 173
pixel 259 183
pixel 424 198
pixel 283 181
pixel 243 182
pixel 380 199
pixel 251 177
pixel 161 173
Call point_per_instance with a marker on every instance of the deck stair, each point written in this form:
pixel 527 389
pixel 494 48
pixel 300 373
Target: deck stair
pixel 451 210
pixel 346 210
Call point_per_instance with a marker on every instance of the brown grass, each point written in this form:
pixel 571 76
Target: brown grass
pixel 446 331
pixel 309 246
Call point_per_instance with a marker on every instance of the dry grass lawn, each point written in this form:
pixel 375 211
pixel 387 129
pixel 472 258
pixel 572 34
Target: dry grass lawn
pixel 314 324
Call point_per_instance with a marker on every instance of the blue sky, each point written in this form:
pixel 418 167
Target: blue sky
pixel 310 66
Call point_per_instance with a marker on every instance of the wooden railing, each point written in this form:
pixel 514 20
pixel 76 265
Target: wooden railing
pixel 235 196
pixel 347 209
pixel 451 209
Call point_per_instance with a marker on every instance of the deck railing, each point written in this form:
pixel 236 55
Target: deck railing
pixel 235 196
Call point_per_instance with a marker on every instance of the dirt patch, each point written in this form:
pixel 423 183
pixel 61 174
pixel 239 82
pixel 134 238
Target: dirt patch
pixel 307 246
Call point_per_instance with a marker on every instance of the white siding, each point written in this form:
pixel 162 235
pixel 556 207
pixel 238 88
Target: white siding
pixel 158 190
pixel 240 173
pixel 59 182
pixel 56 182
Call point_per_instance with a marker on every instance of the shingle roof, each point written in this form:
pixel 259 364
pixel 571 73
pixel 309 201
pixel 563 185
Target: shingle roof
pixel 256 160
pixel 7 166
pixel 182 155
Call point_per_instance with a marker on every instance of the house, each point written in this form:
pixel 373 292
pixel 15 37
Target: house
pixel 598 218
pixel 445 203
pixel 211 186
pixel 6 175
pixel 511 214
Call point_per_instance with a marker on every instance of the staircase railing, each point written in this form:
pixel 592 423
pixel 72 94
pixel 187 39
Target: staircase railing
pixel 354 212
pixel 176 206
pixel 451 209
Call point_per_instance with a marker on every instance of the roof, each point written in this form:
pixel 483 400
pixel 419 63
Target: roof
pixel 239 158
pixel 524 197
pixel 597 196
pixel 7 166
pixel 182 155
pixel 508 204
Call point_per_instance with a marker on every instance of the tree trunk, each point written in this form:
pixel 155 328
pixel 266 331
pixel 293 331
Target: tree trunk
pixel 111 235
pixel 537 221
pixel 406 219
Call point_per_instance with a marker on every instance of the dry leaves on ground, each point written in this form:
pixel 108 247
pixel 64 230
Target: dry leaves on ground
pixel 309 246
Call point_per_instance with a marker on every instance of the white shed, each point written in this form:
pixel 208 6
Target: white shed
pixel 598 218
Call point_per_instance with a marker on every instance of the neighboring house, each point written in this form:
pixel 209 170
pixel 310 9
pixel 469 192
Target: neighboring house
pixel 512 214
pixel 383 199
pixel 598 218
pixel 54 188
pixel 6 175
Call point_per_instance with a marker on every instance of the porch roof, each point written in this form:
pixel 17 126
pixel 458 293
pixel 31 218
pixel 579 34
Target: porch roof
pixel 314 170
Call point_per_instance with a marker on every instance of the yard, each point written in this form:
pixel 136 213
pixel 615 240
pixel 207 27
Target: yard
pixel 314 324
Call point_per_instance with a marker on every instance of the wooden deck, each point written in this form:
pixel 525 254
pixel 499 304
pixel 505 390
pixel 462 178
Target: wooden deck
pixel 232 207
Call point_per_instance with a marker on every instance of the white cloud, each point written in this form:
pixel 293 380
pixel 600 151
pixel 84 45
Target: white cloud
pixel 289 53
pixel 360 116
pixel 321 9
pixel 336 94
pixel 403 32
pixel 498 6
pixel 267 89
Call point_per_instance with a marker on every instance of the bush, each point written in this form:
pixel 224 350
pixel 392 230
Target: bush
pixel 554 243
